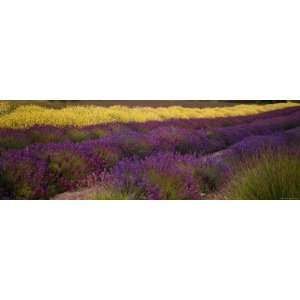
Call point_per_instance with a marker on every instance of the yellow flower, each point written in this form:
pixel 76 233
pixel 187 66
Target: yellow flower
pixel 27 115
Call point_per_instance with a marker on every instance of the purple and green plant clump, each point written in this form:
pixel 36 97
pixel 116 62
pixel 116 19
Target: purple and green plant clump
pixel 172 159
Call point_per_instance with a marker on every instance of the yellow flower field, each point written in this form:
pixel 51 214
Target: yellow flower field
pixel 4 107
pixel 28 115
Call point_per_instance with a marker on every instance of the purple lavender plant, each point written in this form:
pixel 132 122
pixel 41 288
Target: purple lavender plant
pixel 148 160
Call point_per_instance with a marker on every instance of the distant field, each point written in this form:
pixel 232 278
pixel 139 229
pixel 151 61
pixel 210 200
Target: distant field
pixel 139 103
pixel 160 103
pixel 24 114
pixel 175 150
pixel 129 103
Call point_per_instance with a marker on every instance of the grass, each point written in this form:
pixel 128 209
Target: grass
pixel 111 195
pixel 272 176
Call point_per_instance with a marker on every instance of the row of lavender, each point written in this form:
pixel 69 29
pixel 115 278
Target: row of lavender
pixel 174 176
pixel 20 138
pixel 43 170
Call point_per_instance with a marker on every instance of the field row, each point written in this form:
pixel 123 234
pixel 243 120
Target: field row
pixel 170 130
pixel 174 176
pixel 24 116
pixel 44 170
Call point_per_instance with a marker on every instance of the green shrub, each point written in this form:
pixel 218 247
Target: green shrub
pixel 209 178
pixel 112 194
pixel 66 167
pixel 12 142
pixel 77 135
pixel 271 176
pixel 98 133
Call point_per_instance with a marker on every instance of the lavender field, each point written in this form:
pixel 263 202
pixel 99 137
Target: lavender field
pixel 251 155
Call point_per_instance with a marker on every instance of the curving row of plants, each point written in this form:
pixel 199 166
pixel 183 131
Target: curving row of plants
pixel 21 138
pixel 25 116
pixel 43 170
pixel 236 172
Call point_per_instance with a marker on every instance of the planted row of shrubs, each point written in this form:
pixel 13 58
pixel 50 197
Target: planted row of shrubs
pixel 260 167
pixel 25 116
pixel 43 170
pixel 21 138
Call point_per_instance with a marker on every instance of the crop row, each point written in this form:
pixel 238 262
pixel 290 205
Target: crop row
pixel 174 176
pixel 43 170
pixel 24 116
pixel 20 138
pixel 5 107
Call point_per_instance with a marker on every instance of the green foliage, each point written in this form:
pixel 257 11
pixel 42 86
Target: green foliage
pixel 169 185
pixel 77 135
pixel 209 178
pixel 98 132
pixel 10 142
pixel 112 194
pixel 272 176
pixel 65 168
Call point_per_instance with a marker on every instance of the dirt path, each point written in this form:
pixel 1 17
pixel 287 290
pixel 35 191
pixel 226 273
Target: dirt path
pixel 77 195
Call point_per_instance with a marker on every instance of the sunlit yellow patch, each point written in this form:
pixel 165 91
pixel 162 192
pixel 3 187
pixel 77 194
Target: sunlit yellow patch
pixel 26 115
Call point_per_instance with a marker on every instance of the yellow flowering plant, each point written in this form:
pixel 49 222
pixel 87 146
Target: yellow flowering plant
pixel 27 115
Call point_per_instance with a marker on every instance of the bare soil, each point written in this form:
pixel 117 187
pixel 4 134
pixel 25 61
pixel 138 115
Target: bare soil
pixel 75 195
